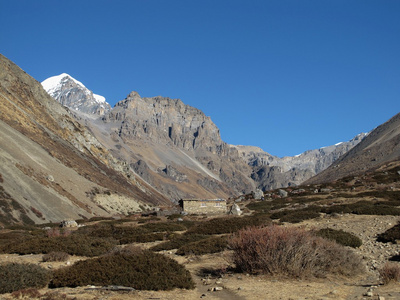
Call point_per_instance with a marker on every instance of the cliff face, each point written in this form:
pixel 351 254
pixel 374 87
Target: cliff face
pixel 52 167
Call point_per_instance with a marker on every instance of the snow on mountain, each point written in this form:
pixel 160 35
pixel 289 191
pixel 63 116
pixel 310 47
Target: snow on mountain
pixel 74 95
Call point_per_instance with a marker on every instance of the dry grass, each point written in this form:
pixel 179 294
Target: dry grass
pixel 390 272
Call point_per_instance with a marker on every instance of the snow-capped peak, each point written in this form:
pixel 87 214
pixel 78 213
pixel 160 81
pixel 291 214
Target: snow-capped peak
pixel 73 94
pixel 54 82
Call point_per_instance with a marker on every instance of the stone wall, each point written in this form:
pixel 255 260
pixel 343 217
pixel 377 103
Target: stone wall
pixel 215 206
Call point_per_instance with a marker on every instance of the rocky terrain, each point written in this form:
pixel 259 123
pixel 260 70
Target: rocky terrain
pixel 51 166
pixel 179 151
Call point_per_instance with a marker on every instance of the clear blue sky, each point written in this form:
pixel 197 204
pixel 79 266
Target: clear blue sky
pixel 287 76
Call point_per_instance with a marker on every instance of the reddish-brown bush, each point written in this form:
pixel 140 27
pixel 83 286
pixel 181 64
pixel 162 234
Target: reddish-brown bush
pixel 277 250
pixel 390 272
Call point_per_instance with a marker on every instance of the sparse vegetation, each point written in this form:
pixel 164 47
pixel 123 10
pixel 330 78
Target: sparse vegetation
pixel 14 277
pixel 144 270
pixel 227 224
pixel 390 272
pixel 294 252
pixel 56 256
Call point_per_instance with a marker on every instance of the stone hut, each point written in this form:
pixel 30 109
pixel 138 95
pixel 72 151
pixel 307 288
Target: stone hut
pixel 203 206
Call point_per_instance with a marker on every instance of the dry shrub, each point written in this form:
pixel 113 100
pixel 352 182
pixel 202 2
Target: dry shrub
pixel 14 277
pixel 55 256
pixel 390 272
pixel 293 252
pixel 30 293
pixel 210 245
pixel 145 270
pixel 57 232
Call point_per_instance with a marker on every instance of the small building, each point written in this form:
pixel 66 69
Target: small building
pixel 203 206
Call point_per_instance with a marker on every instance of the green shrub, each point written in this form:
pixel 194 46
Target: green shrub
pixel 163 227
pixel 143 238
pixel 55 256
pixel 73 244
pixel 210 245
pixel 341 237
pixel 14 277
pixel 296 216
pixel 290 251
pixel 391 235
pixel 178 241
pixel 144 270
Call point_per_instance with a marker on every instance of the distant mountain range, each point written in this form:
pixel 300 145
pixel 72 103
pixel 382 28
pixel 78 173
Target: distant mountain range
pixel 163 139
pixel 83 158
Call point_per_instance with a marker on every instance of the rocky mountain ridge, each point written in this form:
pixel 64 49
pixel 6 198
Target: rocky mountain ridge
pixel 158 134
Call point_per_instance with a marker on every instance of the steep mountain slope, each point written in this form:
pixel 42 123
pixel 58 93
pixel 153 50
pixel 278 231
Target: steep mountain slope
pixel 381 146
pixel 53 168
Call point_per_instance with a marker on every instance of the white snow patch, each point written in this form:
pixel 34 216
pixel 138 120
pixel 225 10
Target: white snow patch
pixel 99 99
pixel 338 144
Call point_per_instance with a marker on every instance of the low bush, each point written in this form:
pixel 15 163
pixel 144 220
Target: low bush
pixel 296 216
pixel 364 208
pixel 294 252
pixel 73 245
pixel 227 224
pixel 391 235
pixel 142 238
pixel 178 241
pixel 163 227
pixel 14 277
pixel 210 245
pixel 144 270
pixel 390 272
pixel 341 237
pixel 55 256
pixel 260 206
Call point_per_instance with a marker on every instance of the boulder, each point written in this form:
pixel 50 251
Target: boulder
pixel 68 223
pixel 257 194
pixel 235 210
pixel 282 193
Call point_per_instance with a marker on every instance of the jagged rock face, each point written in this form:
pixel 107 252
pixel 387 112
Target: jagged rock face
pixel 74 95
pixel 272 172
pixel 165 120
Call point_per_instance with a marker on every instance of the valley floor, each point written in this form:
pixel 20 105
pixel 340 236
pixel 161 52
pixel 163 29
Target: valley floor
pixel 209 272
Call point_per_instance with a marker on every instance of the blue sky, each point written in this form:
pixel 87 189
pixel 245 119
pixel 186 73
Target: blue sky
pixel 286 76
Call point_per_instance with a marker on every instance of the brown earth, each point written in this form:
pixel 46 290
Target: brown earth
pixel 209 271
